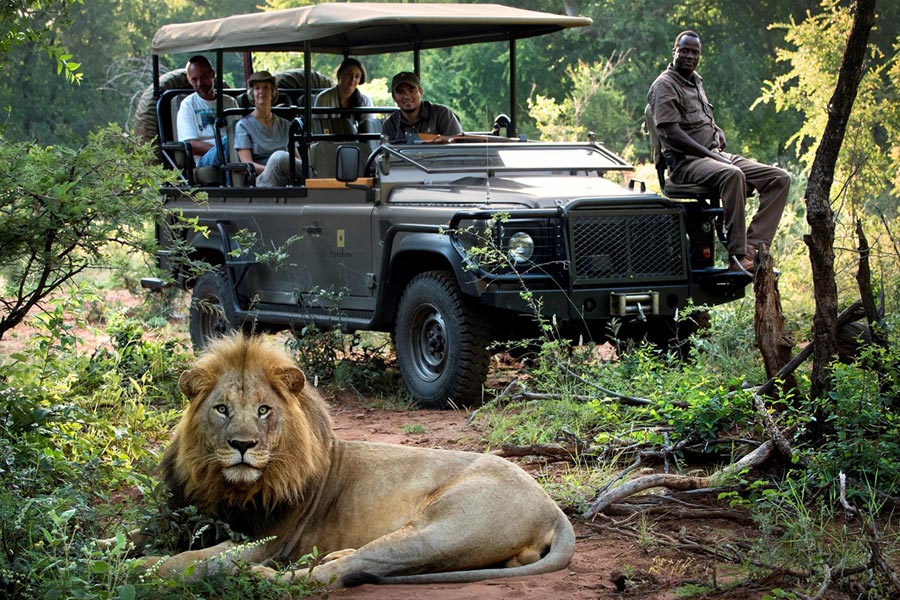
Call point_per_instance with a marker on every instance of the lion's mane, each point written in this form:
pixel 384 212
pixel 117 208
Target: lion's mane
pixel 300 456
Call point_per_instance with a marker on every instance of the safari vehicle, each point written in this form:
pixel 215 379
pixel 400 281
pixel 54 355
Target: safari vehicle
pixel 448 244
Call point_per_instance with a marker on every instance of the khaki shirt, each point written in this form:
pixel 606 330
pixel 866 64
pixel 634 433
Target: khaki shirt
pixel 674 99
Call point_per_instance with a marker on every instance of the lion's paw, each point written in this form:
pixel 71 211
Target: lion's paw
pixel 336 555
pixel 265 572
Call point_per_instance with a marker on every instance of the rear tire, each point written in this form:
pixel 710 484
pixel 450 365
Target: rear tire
pixel 212 310
pixel 441 342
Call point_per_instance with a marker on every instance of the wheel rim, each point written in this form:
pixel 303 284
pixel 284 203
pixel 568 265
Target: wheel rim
pixel 429 341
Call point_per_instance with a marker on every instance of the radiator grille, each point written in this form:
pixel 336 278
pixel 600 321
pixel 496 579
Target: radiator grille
pixel 618 246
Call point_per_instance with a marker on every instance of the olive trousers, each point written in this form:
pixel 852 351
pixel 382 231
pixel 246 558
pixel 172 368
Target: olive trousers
pixel 734 180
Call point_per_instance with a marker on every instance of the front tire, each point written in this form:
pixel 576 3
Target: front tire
pixel 441 342
pixel 212 309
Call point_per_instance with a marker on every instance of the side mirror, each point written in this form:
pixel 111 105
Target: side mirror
pixel 347 167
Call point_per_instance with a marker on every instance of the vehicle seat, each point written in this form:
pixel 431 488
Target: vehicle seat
pixel 672 190
pixel 334 125
pixel 240 174
pixel 323 158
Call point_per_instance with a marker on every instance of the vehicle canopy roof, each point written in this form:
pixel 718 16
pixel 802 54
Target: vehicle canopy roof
pixel 360 28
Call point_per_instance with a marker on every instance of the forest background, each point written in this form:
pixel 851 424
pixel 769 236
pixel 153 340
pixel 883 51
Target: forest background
pixel 769 67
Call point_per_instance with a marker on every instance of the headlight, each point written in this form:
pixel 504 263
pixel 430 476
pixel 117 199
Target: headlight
pixel 521 247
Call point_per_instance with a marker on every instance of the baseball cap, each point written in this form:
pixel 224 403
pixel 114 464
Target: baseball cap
pixel 405 77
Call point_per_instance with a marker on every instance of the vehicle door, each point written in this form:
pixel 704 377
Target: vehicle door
pixel 334 254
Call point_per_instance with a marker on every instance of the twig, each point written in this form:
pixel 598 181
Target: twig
pixel 825 584
pixel 872 539
pixel 633 400
pixel 784 448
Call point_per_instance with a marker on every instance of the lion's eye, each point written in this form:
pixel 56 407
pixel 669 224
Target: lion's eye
pixel 263 410
pixel 221 409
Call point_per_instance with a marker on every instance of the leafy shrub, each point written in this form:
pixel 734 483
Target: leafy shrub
pixel 60 208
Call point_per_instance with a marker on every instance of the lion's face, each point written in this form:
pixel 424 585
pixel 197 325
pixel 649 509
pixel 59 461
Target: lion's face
pixel 253 433
pixel 242 423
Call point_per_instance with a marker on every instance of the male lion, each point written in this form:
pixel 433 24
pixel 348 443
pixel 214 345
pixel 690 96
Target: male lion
pixel 255 448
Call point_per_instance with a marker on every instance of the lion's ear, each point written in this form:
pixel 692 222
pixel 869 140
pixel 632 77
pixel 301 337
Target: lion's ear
pixel 292 378
pixel 195 382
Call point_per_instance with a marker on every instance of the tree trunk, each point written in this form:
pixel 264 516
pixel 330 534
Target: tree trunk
pixel 772 338
pixel 819 215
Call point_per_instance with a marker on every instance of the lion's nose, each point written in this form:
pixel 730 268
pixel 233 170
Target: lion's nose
pixel 241 445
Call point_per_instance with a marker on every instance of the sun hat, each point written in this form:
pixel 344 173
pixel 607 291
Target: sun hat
pixel 263 77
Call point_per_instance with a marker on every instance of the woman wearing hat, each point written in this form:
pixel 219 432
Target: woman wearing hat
pixel 345 94
pixel 261 138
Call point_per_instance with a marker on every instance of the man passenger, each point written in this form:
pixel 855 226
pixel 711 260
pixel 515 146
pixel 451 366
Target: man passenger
pixel 197 113
pixel 416 115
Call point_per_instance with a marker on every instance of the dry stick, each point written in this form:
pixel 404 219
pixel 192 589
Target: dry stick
pixel 781 444
pixel 825 584
pixel 890 233
pixel 633 400
pixel 679 482
pixel 872 539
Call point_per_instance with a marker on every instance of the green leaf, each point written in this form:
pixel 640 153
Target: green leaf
pixel 100 566
pixel 126 592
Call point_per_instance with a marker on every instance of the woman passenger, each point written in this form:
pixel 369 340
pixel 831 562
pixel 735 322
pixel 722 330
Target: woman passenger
pixel 345 94
pixel 261 138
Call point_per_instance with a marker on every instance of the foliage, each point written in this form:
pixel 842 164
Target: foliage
pixel 870 148
pixel 77 429
pixel 697 400
pixel 862 423
pixel 60 208
pixel 359 360
pixel 593 106
pixel 80 433
pixel 22 21
pixel 812 542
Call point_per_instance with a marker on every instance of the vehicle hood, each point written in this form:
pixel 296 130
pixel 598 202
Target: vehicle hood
pixel 512 192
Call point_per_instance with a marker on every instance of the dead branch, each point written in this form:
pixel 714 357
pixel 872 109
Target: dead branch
pixel 624 398
pixel 554 452
pixel 772 337
pixel 627 509
pixel 781 444
pixel 679 482
pixel 877 561
pixel 887 227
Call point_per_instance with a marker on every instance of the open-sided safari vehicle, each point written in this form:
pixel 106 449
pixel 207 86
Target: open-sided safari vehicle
pixel 434 242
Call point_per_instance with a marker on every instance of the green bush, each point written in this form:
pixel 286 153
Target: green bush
pixel 61 208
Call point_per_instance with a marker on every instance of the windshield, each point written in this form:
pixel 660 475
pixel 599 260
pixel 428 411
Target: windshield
pixel 449 158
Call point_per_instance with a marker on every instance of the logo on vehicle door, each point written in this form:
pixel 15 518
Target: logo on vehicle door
pixel 341 238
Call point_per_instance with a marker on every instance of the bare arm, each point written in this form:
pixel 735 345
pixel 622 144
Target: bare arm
pixel 199 147
pixel 246 156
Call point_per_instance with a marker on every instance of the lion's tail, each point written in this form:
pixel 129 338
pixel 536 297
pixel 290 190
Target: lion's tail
pixel 558 557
